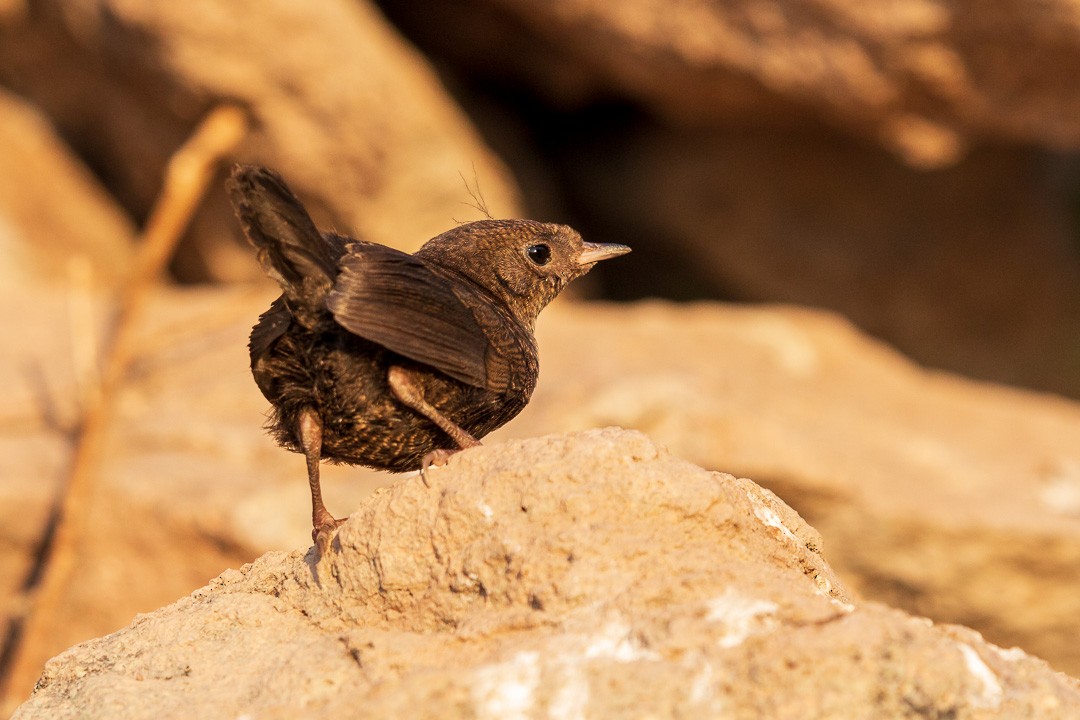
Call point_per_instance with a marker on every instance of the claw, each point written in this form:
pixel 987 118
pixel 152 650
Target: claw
pixel 438 458
pixel 323 533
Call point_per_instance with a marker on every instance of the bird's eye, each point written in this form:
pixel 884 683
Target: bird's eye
pixel 539 254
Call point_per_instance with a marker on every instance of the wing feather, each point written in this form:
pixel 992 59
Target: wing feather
pixel 272 324
pixel 395 300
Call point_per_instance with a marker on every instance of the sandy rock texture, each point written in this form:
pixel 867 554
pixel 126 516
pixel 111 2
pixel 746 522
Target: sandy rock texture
pixel 58 224
pixel 63 243
pixel 917 75
pixel 341 105
pixel 188 484
pixel 973 268
pixel 582 575
pixel 947 498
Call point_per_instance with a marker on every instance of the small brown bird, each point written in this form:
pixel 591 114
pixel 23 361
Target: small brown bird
pixel 375 357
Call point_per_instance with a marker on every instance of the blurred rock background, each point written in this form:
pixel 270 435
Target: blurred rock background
pixel 911 166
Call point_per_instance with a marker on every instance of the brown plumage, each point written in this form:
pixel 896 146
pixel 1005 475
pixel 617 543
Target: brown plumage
pixel 375 357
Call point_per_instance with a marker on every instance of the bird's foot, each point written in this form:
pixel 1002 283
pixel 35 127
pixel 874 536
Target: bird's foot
pixel 322 534
pixel 438 458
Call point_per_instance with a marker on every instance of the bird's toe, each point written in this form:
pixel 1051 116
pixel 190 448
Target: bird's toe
pixel 322 534
pixel 435 458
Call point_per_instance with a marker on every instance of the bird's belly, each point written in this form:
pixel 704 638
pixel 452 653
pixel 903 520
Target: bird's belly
pixel 346 382
pixel 376 430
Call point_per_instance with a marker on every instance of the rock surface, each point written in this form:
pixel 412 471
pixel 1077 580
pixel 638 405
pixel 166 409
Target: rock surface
pixel 974 268
pixel 58 225
pixel 351 115
pixel 585 575
pixel 947 498
pixel 950 499
pixel 63 244
pixel 917 75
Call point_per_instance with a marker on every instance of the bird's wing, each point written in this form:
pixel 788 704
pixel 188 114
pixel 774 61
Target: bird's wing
pixel 272 324
pixel 395 300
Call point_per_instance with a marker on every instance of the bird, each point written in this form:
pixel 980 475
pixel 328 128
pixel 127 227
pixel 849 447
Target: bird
pixel 376 357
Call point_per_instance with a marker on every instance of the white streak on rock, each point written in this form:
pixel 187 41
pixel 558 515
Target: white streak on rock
pixel 845 606
pixel 616 643
pixel 506 690
pixel 1060 492
pixel 701 685
pixel 571 699
pixel 740 615
pixel 990 697
pixel 792 348
pixel 1012 654
pixel 769 518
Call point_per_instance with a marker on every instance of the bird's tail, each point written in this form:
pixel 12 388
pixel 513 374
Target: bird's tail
pixel 290 248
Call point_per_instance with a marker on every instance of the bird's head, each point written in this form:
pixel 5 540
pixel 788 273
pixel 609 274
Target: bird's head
pixel 523 262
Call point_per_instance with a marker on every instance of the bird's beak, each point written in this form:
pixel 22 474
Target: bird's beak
pixel 595 252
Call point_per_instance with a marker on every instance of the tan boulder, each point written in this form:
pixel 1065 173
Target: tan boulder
pixel 951 499
pixel 915 75
pixel 354 118
pixel 973 268
pixel 58 225
pixel 64 244
pixel 585 575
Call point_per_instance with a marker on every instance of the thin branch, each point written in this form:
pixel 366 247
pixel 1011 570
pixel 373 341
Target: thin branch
pixel 85 353
pixel 187 176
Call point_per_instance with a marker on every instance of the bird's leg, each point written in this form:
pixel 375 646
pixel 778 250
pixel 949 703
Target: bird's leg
pixel 323 523
pixel 408 392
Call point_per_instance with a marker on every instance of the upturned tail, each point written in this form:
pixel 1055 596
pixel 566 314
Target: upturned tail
pixel 290 247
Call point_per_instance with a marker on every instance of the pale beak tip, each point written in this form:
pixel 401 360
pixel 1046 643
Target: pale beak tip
pixel 595 252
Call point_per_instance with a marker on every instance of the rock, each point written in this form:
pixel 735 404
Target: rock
pixel 865 162
pixel 40 392
pixel 64 244
pixel 950 499
pixel 57 224
pixel 354 119
pixel 187 484
pixel 914 75
pixel 585 575
pixel 973 269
